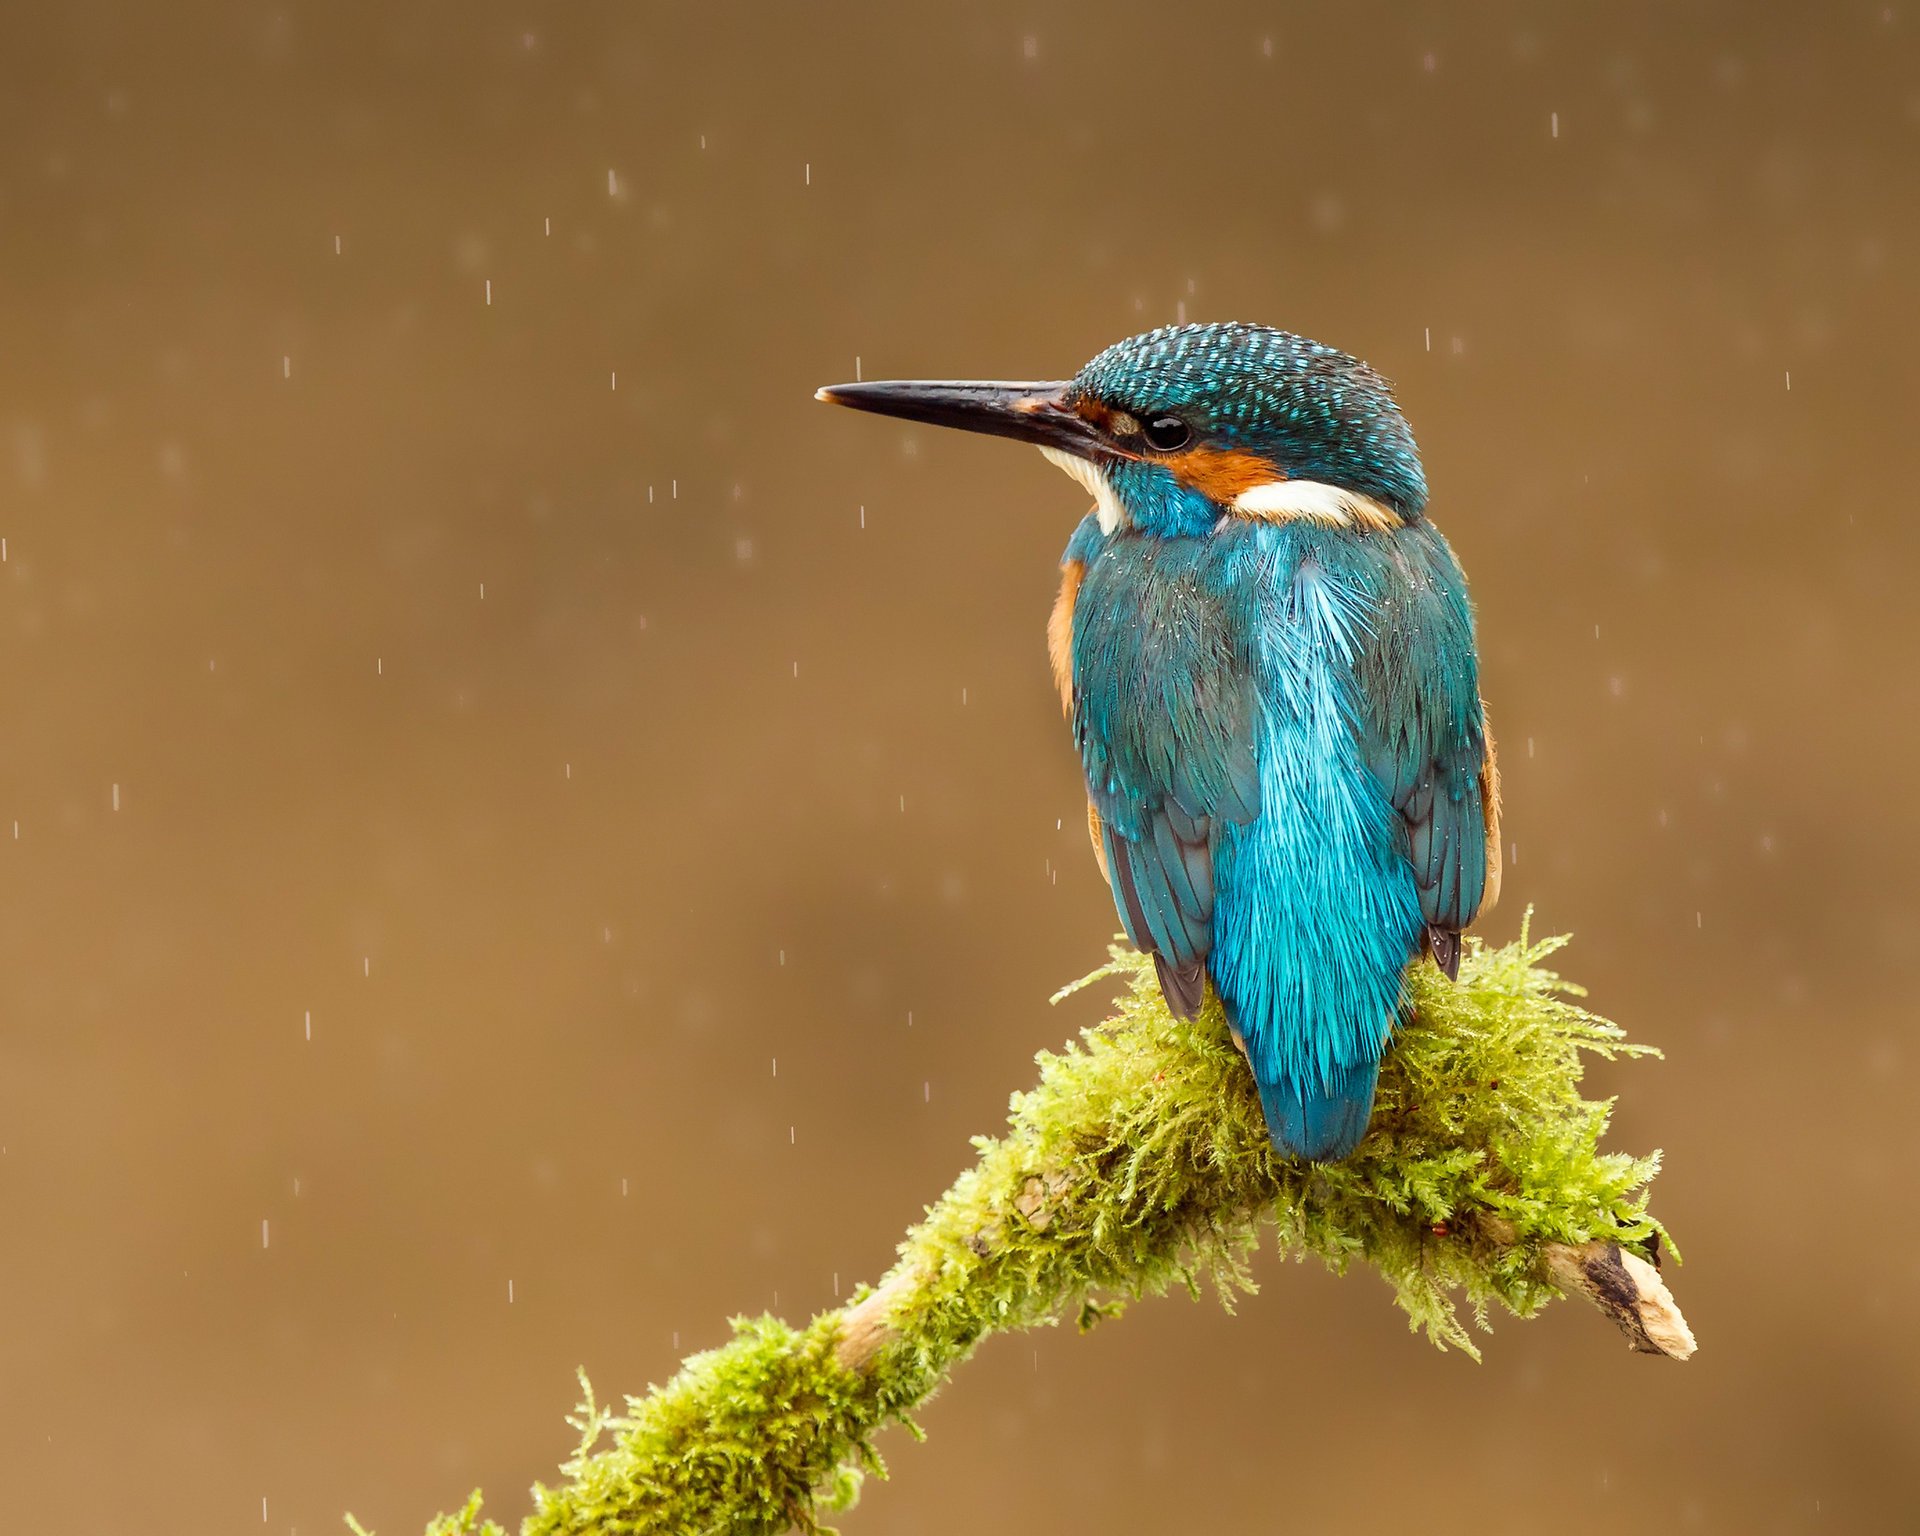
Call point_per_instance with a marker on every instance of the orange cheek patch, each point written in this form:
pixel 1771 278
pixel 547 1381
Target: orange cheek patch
pixel 1221 474
pixel 1094 414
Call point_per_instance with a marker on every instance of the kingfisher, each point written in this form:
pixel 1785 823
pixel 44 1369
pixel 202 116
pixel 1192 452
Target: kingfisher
pixel 1265 651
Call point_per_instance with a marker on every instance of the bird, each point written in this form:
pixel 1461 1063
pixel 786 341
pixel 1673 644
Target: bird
pixel 1267 656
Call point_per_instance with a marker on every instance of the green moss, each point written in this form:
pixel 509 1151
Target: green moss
pixel 1139 1162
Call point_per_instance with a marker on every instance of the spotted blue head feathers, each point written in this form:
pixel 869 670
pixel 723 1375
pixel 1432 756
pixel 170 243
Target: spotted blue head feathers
pixel 1258 399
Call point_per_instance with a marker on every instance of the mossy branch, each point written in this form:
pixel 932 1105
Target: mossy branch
pixel 1139 1163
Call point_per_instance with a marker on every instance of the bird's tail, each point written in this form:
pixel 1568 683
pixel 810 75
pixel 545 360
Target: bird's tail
pixel 1320 1121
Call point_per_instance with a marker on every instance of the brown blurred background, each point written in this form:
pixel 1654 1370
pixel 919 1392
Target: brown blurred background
pixel 514 691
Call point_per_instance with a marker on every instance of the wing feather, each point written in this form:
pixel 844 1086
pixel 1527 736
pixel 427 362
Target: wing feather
pixel 1426 737
pixel 1164 714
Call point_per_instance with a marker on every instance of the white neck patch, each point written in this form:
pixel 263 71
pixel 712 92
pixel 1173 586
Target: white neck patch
pixel 1311 501
pixel 1087 474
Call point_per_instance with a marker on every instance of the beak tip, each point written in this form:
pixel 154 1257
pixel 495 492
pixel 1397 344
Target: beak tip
pixel 826 396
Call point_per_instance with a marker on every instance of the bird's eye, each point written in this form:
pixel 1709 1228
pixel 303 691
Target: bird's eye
pixel 1166 433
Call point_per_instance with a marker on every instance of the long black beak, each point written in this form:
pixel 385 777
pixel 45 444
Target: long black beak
pixel 1027 413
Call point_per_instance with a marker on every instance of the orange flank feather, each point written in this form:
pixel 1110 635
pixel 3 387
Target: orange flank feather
pixel 1490 807
pixel 1060 653
pixel 1099 847
pixel 1060 632
pixel 1221 474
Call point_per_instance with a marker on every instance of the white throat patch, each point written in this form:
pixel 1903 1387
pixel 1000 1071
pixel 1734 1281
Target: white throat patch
pixel 1311 501
pixel 1106 505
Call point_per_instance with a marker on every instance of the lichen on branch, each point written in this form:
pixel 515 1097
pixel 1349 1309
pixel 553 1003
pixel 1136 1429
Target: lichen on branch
pixel 1140 1163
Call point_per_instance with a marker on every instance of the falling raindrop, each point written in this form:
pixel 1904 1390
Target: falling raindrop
pixel 1556 125
pixel 263 1231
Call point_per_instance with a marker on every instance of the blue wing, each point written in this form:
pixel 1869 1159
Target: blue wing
pixel 1425 738
pixel 1164 714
